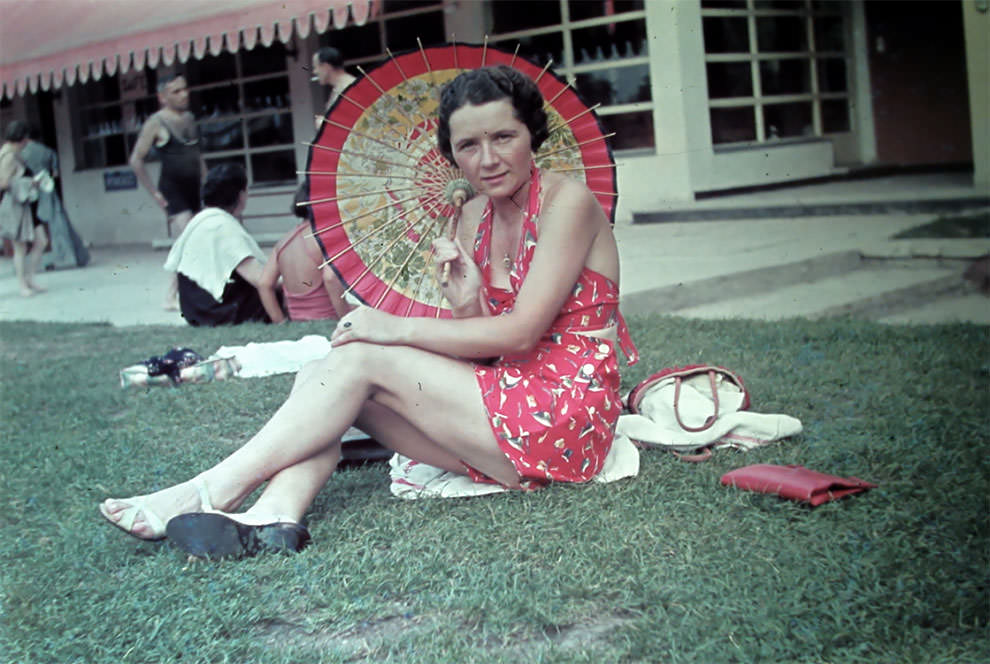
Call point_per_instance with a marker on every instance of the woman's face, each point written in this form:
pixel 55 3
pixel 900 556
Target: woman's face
pixel 491 146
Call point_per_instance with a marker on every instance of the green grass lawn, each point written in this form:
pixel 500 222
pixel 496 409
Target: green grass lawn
pixel 667 567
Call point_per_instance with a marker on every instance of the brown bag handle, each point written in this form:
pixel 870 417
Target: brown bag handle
pixel 677 397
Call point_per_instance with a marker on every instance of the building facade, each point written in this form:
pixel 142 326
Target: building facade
pixel 702 95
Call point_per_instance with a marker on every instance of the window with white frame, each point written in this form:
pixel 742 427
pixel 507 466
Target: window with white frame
pixel 240 101
pixel 600 46
pixel 398 26
pixel 776 70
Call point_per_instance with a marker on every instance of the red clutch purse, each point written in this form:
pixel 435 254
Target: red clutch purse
pixel 794 482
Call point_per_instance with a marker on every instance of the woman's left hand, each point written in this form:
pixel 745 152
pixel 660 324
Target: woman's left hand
pixel 367 324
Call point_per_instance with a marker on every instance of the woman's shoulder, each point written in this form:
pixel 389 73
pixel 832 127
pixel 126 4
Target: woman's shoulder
pixel 295 234
pixel 563 192
pixel 557 184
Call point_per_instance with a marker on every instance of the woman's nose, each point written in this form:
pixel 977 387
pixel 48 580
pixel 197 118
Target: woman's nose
pixel 488 155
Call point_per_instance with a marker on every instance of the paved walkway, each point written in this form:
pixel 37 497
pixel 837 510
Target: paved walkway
pixel 760 268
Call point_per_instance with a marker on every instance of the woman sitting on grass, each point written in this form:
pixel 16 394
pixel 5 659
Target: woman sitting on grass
pixel 310 292
pixel 217 262
pixel 537 291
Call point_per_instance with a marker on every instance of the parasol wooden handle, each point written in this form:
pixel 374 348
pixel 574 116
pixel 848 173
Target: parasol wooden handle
pixel 459 193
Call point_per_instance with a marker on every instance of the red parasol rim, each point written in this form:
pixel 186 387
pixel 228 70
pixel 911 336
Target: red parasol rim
pixel 340 118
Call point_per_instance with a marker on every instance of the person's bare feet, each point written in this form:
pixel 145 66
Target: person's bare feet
pixel 145 517
pixel 36 288
pixel 170 305
pixel 26 291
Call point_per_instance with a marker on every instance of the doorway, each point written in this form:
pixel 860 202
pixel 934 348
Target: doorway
pixel 917 61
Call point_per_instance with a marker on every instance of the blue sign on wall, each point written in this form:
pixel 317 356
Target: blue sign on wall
pixel 119 180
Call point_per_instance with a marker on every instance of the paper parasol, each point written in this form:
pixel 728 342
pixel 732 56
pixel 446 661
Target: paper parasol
pixel 381 191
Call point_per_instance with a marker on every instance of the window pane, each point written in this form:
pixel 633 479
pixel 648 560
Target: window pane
pixel 620 85
pixel 354 41
pixel 272 167
pixel 511 16
pixel 835 115
pixel 235 159
pixel 223 135
pixel 580 10
pixel 778 77
pixel 790 5
pixel 215 102
pixel 829 34
pixel 729 79
pixel 731 125
pixel 726 35
pixel 211 69
pixel 103 90
pixel 632 130
pixel 538 49
pixel 270 130
pixel 787 120
pixel 401 33
pixel 267 94
pixel 832 75
pixel 263 60
pixel 781 33
pixel 620 40
pixel 93 154
pixel 116 152
pixel 723 4
pixel 102 121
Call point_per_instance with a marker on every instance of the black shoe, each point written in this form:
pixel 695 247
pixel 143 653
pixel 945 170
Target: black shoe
pixel 216 535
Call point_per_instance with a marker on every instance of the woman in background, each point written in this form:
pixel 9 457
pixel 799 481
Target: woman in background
pixel 309 292
pixel 17 224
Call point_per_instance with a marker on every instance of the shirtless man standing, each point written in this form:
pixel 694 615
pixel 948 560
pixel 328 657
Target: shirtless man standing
pixel 173 132
pixel 328 69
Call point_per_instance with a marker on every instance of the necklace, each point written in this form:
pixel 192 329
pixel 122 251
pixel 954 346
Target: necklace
pixel 507 260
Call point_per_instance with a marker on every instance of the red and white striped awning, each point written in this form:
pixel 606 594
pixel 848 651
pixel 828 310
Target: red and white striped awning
pixel 45 44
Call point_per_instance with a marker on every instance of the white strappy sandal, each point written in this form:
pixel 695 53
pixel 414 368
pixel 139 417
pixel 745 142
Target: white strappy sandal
pixel 137 505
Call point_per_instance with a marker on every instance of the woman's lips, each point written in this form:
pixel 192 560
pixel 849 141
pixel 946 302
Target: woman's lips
pixel 493 180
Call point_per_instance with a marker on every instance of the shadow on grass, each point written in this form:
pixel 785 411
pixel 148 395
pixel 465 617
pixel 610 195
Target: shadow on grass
pixel 955 227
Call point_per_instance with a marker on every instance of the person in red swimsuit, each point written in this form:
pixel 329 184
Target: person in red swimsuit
pixel 310 290
pixel 520 387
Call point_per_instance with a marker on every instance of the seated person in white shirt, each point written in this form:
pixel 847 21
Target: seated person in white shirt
pixel 218 263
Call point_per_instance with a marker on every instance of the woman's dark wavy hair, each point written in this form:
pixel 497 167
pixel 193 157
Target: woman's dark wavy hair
pixel 223 185
pixel 480 86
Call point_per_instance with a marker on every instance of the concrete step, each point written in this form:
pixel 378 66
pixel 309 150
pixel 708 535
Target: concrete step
pixel 742 284
pixel 854 293
pixel 965 308
pixel 844 283
pixel 812 209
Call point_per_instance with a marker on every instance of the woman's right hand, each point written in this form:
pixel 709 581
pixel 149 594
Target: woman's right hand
pixel 461 289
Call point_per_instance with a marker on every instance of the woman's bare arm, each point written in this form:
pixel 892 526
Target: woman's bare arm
pixel 569 224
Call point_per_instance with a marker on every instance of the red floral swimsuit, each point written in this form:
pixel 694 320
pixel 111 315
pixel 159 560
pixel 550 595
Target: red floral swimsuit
pixel 553 409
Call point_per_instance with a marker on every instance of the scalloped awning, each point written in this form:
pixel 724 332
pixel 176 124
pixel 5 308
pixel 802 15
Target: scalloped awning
pixel 49 43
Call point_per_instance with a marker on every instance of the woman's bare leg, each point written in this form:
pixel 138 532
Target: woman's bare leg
pixel 34 258
pixel 425 390
pixel 179 222
pixel 20 252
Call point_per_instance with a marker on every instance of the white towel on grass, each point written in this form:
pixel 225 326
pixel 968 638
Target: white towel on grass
pixel 276 357
pixel 412 479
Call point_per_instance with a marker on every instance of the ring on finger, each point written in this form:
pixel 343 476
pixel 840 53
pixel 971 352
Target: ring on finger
pixel 346 325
